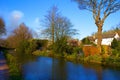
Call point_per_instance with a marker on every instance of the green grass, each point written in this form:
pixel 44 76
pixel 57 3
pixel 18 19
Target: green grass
pixel 14 70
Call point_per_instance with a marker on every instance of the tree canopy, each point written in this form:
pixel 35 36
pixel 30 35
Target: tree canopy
pixel 2 26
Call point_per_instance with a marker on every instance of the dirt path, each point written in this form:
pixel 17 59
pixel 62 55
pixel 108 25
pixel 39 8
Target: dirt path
pixel 4 73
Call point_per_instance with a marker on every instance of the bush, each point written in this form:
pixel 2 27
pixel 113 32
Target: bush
pixel 39 53
pixel 93 58
pixel 14 67
pixel 86 41
pixel 90 50
pixel 71 57
pixel 115 45
pixel 106 49
pixel 60 46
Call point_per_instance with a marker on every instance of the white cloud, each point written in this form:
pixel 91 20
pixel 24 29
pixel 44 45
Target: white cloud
pixel 14 18
pixel 17 15
pixel 37 21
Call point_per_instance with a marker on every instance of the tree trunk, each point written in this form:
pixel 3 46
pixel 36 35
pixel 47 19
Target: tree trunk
pixel 99 37
pixel 53 33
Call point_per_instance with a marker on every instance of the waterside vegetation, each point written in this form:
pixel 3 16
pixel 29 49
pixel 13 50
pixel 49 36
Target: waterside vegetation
pixel 20 45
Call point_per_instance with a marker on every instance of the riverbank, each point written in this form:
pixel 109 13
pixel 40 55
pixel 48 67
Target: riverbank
pixel 103 60
pixel 14 71
pixel 15 64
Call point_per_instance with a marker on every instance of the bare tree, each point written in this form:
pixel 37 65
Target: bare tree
pixel 57 26
pixel 2 26
pixel 19 35
pixel 100 9
pixel 22 32
pixel 49 22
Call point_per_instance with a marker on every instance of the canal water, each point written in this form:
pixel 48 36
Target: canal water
pixel 45 68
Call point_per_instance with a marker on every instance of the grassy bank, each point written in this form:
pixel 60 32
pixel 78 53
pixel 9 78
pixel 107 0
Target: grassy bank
pixel 14 70
pixel 103 60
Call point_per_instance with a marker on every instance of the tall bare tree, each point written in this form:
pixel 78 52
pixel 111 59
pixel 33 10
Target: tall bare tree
pixel 2 26
pixel 100 9
pixel 49 22
pixel 57 26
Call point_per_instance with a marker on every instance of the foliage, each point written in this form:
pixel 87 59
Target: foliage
pixel 106 49
pixel 41 53
pixel 31 46
pixel 90 50
pixel 22 33
pixel 22 48
pixel 21 41
pixel 2 27
pixel 69 49
pixel 41 44
pixel 86 41
pixel 93 58
pixel 71 57
pixel 77 50
pixel 24 51
pixel 60 45
pixel 15 73
pixel 115 45
pixel 3 43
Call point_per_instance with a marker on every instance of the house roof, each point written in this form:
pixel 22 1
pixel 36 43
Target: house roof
pixel 108 35
pixel 118 32
pixel 105 35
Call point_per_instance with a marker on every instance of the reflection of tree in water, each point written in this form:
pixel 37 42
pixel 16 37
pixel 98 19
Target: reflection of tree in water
pixel 59 69
pixel 97 68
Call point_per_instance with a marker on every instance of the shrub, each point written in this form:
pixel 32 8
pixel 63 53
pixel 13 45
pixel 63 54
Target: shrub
pixel 106 49
pixel 93 58
pixel 14 67
pixel 90 50
pixel 115 45
pixel 60 45
pixel 86 41
pixel 39 53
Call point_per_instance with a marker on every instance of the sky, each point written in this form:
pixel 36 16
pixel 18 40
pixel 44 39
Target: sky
pixel 32 13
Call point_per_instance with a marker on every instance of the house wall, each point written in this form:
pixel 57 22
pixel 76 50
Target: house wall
pixel 108 41
pixel 105 41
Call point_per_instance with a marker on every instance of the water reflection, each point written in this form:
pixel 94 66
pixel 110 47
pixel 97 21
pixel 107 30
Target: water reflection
pixel 45 68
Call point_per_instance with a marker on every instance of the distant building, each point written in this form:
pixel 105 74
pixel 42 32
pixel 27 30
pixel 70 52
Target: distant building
pixel 106 38
pixel 74 42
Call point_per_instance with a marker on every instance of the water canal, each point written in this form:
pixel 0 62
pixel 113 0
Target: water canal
pixel 45 68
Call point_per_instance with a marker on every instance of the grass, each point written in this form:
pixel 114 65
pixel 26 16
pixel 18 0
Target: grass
pixel 14 69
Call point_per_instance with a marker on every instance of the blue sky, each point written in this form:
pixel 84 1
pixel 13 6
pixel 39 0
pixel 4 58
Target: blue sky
pixel 32 12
